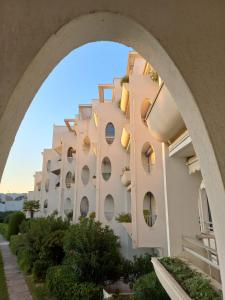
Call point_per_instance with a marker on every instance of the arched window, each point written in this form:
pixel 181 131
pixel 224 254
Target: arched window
pixel 106 168
pixel 109 208
pixel 84 206
pixel 68 208
pixel 149 209
pixel 147 157
pixel 70 178
pixel 85 174
pixel 70 152
pixel 109 133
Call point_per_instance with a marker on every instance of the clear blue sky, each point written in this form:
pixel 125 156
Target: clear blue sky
pixel 73 81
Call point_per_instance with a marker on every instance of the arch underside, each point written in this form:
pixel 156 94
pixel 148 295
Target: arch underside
pixel 183 59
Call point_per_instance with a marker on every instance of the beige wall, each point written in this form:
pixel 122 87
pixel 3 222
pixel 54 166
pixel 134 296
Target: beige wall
pixel 140 88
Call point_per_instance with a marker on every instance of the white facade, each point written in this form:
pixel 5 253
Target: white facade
pixel 132 154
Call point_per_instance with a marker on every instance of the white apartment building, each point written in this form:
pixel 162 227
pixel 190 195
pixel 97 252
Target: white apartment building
pixel 132 154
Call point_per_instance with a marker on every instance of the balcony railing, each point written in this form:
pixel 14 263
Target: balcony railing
pixel 150 219
pixel 205 251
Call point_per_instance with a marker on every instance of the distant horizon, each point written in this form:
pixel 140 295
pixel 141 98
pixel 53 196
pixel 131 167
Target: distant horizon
pixel 74 80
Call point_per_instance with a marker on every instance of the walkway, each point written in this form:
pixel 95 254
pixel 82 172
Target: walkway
pixel 16 284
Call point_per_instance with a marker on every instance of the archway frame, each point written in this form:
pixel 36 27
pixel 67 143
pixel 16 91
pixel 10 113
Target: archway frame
pixel 76 33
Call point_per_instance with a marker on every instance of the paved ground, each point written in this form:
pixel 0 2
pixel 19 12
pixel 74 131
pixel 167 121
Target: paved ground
pixel 17 287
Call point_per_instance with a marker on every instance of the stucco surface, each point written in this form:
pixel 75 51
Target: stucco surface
pixel 184 40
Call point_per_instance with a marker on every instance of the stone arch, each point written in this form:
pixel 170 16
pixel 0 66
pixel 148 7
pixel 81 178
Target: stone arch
pixel 208 140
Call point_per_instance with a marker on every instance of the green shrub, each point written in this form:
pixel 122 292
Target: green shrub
pixel 40 269
pixel 4 216
pixel 194 283
pixel 14 222
pixel 17 243
pixel 42 241
pixel 148 287
pixel 4 230
pixel 52 247
pixel 140 266
pixel 25 260
pixel 124 218
pixel 61 283
pixel 93 250
pixel 3 286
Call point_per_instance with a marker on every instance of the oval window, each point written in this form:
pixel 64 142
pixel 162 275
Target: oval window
pixel 84 206
pixel 109 133
pixel 106 168
pixel 149 209
pixel 85 174
pixel 70 178
pixel 109 208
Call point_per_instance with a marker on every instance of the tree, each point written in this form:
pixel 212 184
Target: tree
pixel 92 250
pixel 32 206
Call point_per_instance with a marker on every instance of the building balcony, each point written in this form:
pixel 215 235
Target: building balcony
pixel 183 280
pixel 125 137
pixel 201 251
pixel 124 102
pixel 171 286
pixel 56 167
pixel 126 177
pixel 164 120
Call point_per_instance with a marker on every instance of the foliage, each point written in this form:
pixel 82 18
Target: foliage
pixel 124 218
pixel 146 213
pixel 154 76
pixel 121 297
pixel 4 230
pixel 14 222
pixel 194 283
pixel 4 216
pixel 17 242
pixel 70 216
pixel 125 79
pixel 92 215
pixel 26 258
pixel 148 287
pixel 40 245
pixel 61 281
pixel 31 206
pixel 3 287
pixel 40 269
pixel 93 250
pixel 55 213
pixel 140 266
pixel 38 291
